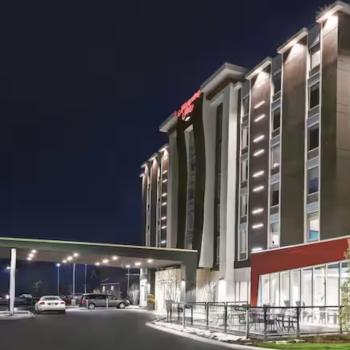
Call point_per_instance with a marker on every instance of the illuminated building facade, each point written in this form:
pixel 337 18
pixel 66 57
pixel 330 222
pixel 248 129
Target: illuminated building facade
pixel 258 170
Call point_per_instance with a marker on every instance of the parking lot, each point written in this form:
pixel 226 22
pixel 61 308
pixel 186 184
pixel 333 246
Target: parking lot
pixel 91 330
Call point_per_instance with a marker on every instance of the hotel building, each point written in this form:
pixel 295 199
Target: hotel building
pixel 256 174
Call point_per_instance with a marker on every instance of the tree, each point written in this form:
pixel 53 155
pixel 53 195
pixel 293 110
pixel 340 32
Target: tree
pixel 344 316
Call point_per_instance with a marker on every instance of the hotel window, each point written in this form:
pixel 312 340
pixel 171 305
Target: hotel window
pixel 315 57
pixel 244 204
pixel 276 119
pixel 275 194
pixel 245 105
pixel 274 234
pixel 243 243
pixel 275 156
pixel 313 227
pixel 244 141
pixel 276 82
pixel 313 137
pixel 312 180
pixel 314 96
pixel 244 170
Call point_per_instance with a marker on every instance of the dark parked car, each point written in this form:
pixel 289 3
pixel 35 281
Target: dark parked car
pixel 93 300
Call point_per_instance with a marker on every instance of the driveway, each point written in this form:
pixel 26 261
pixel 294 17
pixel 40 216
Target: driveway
pixel 92 330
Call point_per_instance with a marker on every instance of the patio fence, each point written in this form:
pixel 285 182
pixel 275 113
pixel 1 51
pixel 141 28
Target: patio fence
pixel 256 322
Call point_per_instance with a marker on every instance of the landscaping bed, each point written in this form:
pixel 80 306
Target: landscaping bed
pixel 312 343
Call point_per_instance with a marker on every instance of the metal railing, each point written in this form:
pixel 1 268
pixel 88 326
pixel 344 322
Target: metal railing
pixel 256 322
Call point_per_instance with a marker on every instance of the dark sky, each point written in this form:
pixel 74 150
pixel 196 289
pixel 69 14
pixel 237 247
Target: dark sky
pixel 84 86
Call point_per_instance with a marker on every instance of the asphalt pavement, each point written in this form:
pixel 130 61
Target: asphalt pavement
pixel 92 330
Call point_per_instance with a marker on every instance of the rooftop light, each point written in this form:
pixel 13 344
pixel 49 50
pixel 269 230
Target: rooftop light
pixel 137 263
pixel 114 258
pixel 105 261
pixel 150 261
pixel 97 263
pixel 34 251
pixel 127 266
pixel 69 258
pixel 64 261
pixel 75 255
pixel 29 258
pixel 58 264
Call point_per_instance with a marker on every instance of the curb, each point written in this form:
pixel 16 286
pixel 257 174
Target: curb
pixel 198 338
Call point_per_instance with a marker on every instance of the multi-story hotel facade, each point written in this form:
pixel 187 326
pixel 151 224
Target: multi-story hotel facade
pixel 256 174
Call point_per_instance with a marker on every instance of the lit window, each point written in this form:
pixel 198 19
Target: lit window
pixel 313 137
pixel 244 204
pixel 275 156
pixel 313 227
pixel 276 81
pixel 276 119
pixel 274 234
pixel 315 57
pixel 314 96
pixel 244 170
pixel 244 141
pixel 312 178
pixel 243 243
pixel 245 105
pixel 275 194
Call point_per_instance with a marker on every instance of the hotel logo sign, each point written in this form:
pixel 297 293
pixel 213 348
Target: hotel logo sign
pixel 187 108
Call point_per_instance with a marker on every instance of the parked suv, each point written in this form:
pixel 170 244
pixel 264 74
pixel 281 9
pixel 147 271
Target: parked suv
pixel 93 300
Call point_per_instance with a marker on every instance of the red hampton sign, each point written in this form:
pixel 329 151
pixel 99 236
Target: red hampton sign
pixel 188 106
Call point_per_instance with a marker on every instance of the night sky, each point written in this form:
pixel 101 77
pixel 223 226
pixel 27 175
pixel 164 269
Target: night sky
pixel 84 87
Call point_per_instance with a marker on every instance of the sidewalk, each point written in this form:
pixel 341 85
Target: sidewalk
pixel 215 338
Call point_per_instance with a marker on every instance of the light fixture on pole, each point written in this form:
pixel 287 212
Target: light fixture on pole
pixel 58 278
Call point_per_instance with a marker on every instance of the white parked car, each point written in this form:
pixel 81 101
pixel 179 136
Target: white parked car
pixel 50 303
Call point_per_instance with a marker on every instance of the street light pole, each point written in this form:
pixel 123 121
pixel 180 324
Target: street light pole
pixel 73 287
pixel 58 278
pixel 85 278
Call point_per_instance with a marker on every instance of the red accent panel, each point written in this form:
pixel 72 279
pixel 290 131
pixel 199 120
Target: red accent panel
pixel 294 258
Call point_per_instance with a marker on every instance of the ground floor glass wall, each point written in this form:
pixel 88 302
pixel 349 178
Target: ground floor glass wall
pixel 311 286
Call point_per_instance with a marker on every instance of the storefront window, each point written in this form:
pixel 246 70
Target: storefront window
pixel 295 288
pixel 333 285
pixel 285 299
pixel 306 290
pixel 265 290
pixel 275 288
pixel 344 273
pixel 319 286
